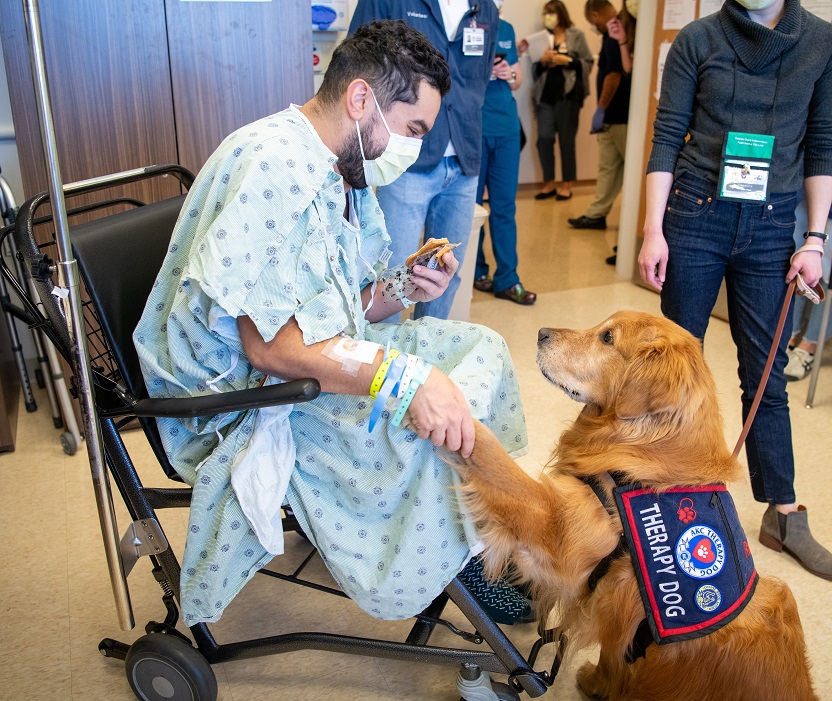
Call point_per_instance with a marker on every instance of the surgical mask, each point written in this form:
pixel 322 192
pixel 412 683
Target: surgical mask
pixel 550 21
pixel 400 153
pixel 756 4
pixel 499 4
pixel 632 7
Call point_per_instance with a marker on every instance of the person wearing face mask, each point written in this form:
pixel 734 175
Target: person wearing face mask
pixel 277 270
pixel 560 87
pixel 744 122
pixel 437 196
pixel 609 120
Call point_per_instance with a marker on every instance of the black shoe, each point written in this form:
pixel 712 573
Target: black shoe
pixel 611 260
pixel 560 197
pixel 588 223
pixel 546 195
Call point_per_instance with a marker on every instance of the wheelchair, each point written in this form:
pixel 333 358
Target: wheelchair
pixel 118 256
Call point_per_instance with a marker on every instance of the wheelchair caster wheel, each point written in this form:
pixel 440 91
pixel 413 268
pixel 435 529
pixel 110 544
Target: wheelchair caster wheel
pixel 68 443
pixel 161 666
pixel 499 692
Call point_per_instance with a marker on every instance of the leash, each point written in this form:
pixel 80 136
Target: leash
pixel 816 295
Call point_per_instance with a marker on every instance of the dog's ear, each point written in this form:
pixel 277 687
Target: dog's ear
pixel 656 378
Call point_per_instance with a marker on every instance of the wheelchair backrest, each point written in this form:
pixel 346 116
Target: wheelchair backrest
pixel 119 257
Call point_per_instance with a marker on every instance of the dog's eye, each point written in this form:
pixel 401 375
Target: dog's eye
pixel 606 337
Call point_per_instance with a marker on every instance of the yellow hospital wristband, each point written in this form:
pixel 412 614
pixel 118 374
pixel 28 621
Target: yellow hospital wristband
pixel 381 373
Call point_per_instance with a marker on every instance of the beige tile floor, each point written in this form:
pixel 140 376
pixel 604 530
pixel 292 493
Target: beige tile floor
pixel 55 599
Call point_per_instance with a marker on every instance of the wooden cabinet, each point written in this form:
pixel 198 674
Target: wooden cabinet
pixel 142 82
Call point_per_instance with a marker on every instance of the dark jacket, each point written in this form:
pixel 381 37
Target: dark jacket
pixel 460 116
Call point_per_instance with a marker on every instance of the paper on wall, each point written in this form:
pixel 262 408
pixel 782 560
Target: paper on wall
pixel 709 7
pixel 678 13
pixel 664 47
pixel 821 8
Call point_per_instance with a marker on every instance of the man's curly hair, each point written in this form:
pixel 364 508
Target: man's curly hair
pixel 392 57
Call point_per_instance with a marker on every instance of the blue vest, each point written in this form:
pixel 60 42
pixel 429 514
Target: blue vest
pixel 691 557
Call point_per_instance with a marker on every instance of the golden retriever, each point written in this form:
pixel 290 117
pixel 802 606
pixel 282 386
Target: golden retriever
pixel 650 414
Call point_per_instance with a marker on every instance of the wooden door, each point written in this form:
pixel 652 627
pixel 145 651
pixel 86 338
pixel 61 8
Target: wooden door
pixel 233 63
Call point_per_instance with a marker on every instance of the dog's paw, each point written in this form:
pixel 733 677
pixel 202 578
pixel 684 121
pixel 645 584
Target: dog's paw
pixel 587 680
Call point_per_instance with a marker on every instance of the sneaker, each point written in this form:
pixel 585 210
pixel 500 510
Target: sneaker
pixel 799 365
pixel 588 223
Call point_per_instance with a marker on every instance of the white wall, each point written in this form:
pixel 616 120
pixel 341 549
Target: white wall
pixel 526 18
pixel 8 148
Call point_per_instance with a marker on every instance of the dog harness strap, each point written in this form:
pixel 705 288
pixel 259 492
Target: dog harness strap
pixel 691 558
pixel 604 565
pixel 641 641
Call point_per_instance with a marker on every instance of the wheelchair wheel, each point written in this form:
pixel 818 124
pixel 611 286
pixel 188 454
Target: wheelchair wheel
pixel 501 692
pixel 162 667
pixel 68 443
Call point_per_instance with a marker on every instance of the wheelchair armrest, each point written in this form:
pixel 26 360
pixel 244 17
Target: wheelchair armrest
pixel 240 400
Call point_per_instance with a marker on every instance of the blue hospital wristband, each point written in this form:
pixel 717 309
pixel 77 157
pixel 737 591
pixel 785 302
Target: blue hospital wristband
pixel 419 378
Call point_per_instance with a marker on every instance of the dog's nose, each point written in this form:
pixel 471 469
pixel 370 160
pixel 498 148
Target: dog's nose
pixel 543 335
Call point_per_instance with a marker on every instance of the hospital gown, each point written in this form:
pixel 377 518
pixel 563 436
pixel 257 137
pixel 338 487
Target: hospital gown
pixel 262 234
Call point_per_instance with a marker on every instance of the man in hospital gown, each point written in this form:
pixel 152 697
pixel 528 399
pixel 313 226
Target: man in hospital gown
pixel 274 254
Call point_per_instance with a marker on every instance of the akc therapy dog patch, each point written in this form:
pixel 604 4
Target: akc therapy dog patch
pixel 691 558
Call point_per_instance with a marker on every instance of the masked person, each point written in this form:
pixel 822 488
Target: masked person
pixel 436 197
pixel 276 271
pixel 752 89
pixel 560 87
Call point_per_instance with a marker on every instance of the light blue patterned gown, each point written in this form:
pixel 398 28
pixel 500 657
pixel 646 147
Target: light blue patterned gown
pixel 262 233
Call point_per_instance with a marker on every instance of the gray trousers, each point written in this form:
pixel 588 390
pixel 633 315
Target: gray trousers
pixel 560 119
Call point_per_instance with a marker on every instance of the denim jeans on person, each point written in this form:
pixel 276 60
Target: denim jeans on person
pixel 499 170
pixel 440 204
pixel 749 244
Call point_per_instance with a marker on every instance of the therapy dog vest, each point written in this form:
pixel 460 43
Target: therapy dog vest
pixel 691 557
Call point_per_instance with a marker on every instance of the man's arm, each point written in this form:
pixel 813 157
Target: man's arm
pixel 439 410
pixel 608 89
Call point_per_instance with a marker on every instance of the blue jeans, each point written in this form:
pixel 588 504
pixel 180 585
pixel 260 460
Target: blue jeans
pixel 499 170
pixel 440 204
pixel 748 244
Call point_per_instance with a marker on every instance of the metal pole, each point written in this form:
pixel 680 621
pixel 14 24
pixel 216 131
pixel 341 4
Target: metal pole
pixel 69 279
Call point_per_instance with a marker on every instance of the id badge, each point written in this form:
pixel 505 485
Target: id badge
pixel 746 165
pixel 473 41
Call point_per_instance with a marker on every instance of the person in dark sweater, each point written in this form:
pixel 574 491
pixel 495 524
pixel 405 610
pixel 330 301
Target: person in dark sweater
pixel 751 86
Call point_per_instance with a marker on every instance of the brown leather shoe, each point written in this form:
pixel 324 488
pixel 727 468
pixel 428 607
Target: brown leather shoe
pixel 484 284
pixel 517 294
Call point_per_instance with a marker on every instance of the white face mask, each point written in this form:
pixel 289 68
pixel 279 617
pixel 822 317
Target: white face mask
pixel 400 153
pixel 499 4
pixel 756 4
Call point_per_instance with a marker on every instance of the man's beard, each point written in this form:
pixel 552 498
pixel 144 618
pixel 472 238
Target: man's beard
pixel 350 162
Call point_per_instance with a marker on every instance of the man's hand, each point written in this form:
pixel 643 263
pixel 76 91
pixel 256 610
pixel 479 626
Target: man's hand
pixel 440 412
pixel 431 283
pixel 522 46
pixel 598 121
pixel 652 260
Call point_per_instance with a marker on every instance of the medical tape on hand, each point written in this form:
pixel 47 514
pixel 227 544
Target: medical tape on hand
pixel 351 353
pixel 391 384
pixel 381 373
pixel 419 378
pixel 410 368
